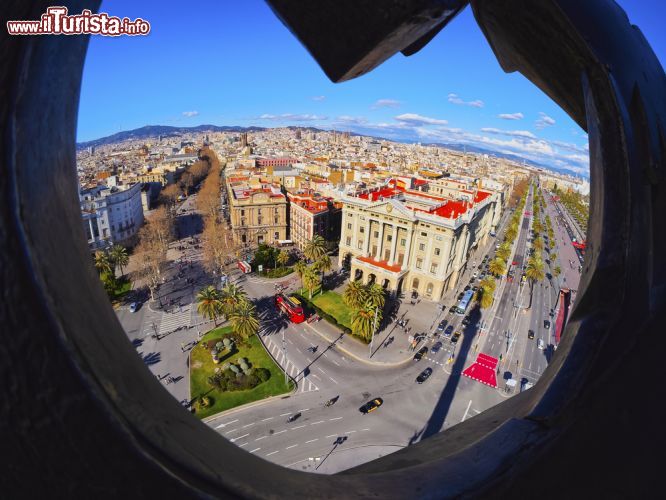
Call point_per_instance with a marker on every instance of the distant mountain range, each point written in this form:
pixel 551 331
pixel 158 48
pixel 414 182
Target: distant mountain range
pixel 163 130
pixel 168 131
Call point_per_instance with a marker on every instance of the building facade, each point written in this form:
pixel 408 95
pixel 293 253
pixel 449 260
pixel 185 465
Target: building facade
pixel 409 240
pixel 111 215
pixel 310 215
pixel 258 212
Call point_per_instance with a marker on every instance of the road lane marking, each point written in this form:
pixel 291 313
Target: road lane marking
pixel 248 425
pixel 315 423
pixel 298 427
pixel 280 432
pixel 284 414
pixel 256 449
pixel 227 423
pixel 465 415
pixel 304 409
pixel 239 437
pixel 312 440
pixel 272 453
pixel 333 380
pixel 233 430
pixel 334 361
pixel 321 370
pixel 265 419
pixel 290 447
pixel 364 430
pixel 350 432
pixel 262 437
pixel 332 435
pixel 241 445
pixel 336 418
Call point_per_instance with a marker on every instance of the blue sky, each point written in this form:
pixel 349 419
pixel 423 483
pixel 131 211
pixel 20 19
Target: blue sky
pixel 234 63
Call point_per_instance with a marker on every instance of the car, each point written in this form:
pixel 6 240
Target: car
pixel 530 334
pixel 475 288
pixel 479 267
pixel 449 330
pixel 424 375
pixel 460 295
pixel 546 324
pixel 475 274
pixel 539 344
pixel 420 354
pixel 133 307
pixel 467 288
pixel 466 321
pixel 455 337
pixel 442 325
pixel 371 406
pixel 436 347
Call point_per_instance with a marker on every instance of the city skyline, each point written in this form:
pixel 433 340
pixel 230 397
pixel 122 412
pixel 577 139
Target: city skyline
pixel 236 74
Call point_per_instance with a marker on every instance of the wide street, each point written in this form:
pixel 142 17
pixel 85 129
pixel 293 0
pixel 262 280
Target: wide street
pixel 329 439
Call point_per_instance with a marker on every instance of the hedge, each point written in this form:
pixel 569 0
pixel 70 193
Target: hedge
pixel 328 317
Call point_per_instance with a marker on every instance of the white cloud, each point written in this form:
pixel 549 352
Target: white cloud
pixel 190 114
pixel 511 116
pixel 455 99
pixel 293 117
pixel 359 120
pixel 415 119
pixel 318 98
pixel 544 121
pixel 385 103
pixel 512 133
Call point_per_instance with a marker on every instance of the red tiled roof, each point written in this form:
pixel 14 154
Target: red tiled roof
pixel 381 263
pixel 386 192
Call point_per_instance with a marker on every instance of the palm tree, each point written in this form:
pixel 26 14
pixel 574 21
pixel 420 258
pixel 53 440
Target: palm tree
pixel 231 297
pixel 315 248
pixel 209 304
pixel 244 319
pixel 283 258
pixel 324 264
pixel 538 243
pixel 497 267
pixel 376 295
pixel 311 279
pixel 557 271
pixel 355 294
pixel 534 272
pixel 363 321
pixel 301 267
pixel 511 233
pixel 119 257
pixel 488 283
pixel 504 251
pixel 484 297
pixel 102 262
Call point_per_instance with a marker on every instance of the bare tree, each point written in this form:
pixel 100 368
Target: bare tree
pixel 218 244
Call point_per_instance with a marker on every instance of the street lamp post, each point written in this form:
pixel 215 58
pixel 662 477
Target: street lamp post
pixel 374 328
pixel 507 334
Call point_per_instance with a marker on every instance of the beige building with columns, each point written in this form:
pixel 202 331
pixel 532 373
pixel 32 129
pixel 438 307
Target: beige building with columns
pixel 410 240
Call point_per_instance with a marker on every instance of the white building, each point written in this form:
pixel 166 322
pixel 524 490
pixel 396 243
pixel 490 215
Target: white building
pixel 111 215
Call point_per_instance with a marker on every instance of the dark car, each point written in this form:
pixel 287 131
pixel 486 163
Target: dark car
pixel 442 325
pixel 530 334
pixel 475 288
pixel 436 347
pixel 455 337
pixel 467 287
pixel 371 405
pixel 420 354
pixel 449 330
pixel 546 324
pixel 423 376
pixel 460 295
pixel 466 321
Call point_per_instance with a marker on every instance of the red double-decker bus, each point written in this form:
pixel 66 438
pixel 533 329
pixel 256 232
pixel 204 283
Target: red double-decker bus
pixel 291 306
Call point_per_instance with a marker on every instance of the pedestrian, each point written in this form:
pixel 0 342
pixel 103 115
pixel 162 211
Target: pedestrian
pixel 182 346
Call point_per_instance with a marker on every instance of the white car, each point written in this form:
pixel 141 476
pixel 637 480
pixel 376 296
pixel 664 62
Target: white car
pixel 540 344
pixel 133 307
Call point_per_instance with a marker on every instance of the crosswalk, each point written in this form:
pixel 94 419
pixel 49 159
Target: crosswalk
pixel 180 317
pixel 151 322
pixel 304 384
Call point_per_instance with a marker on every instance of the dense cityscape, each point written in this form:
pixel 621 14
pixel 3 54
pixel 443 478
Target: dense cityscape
pixel 353 274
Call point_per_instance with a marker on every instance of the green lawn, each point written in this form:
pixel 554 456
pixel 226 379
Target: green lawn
pixel 122 286
pixel 280 272
pixel 203 367
pixel 331 303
